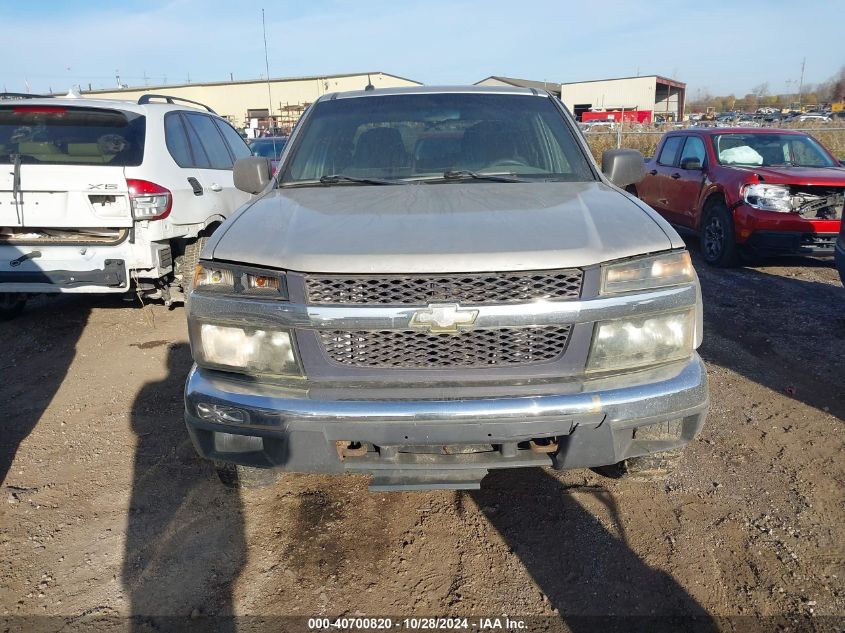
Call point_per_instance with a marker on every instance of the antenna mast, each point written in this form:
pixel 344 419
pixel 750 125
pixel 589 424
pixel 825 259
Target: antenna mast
pixel 801 84
pixel 267 70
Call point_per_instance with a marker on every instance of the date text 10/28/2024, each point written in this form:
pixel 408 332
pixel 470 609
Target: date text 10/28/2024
pixel 418 624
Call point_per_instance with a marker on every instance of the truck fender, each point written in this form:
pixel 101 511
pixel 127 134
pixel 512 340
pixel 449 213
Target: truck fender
pixel 705 200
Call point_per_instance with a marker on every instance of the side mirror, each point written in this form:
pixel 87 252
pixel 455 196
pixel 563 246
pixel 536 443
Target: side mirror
pixel 252 174
pixel 623 166
pixel 690 163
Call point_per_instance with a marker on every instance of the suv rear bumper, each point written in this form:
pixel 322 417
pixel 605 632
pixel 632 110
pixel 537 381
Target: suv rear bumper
pixel 432 442
pixel 95 268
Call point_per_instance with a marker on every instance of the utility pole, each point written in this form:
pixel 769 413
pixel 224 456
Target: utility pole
pixel 801 83
pixel 146 79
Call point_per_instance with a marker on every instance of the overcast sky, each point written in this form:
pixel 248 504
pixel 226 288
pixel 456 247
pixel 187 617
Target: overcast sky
pixel 719 45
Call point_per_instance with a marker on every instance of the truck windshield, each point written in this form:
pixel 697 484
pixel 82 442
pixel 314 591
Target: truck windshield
pixel 59 135
pixel 432 137
pixel 770 150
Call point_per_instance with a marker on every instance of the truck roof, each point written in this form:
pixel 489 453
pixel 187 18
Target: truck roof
pixel 408 90
pixel 711 131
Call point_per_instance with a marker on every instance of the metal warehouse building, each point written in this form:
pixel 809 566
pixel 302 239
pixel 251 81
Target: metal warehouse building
pixel 652 93
pixel 494 80
pixel 247 103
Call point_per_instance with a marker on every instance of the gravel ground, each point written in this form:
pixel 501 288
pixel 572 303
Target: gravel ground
pixel 107 512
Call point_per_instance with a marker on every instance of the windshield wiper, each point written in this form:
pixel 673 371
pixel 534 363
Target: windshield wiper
pixel 466 174
pixel 334 179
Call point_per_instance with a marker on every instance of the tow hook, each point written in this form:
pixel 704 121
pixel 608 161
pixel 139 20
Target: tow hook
pixel 345 449
pixel 544 445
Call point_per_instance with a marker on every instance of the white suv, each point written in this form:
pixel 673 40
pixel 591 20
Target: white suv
pixel 107 196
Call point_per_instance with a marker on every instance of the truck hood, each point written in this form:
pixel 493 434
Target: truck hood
pixel 824 176
pixel 432 228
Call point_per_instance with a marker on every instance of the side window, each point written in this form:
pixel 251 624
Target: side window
pixel 236 144
pixel 693 149
pixel 200 157
pixel 211 140
pixel 669 151
pixel 177 140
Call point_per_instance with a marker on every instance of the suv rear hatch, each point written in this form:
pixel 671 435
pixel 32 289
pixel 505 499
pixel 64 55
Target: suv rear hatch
pixel 62 172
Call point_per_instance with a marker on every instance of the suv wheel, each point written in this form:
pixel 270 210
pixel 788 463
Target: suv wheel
pixel 718 242
pixel 11 305
pixel 236 476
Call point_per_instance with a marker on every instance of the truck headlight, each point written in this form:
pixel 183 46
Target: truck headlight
pixel 249 350
pixel 768 197
pixel 645 273
pixel 642 341
pixel 240 280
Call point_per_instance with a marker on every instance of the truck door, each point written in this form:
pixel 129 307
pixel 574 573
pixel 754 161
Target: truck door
pixel 686 181
pixel 662 182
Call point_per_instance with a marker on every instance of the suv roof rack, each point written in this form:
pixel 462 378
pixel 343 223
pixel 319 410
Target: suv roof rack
pixel 21 95
pixel 171 100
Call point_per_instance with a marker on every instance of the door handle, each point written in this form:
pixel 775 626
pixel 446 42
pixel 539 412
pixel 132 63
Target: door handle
pixel 196 186
pixel 675 176
pixel 215 187
pixel 653 172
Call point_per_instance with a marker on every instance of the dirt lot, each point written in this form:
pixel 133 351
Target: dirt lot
pixel 107 512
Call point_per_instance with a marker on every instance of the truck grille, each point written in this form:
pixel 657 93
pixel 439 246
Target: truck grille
pixel 421 350
pixel 464 288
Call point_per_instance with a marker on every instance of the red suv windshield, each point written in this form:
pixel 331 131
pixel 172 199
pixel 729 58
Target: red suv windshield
pixel 769 150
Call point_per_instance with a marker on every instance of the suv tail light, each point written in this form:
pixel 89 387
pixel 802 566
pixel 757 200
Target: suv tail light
pixel 149 201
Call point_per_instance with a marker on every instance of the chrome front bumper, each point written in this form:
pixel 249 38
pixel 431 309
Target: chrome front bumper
pixel 597 425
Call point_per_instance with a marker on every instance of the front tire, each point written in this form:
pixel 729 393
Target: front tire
pixel 718 239
pixel 11 305
pixel 654 467
pixel 239 477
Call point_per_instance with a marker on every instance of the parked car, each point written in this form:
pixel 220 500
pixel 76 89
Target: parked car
pixel 437 283
pixel 818 118
pixel 106 196
pixel 765 191
pixel 269 147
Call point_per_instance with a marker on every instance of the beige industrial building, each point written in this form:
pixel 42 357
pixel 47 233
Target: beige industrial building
pixel 247 103
pixel 650 93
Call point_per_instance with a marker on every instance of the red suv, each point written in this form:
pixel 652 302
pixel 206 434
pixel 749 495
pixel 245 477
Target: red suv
pixel 766 191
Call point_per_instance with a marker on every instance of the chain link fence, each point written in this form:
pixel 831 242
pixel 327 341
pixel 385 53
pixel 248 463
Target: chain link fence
pixel 646 140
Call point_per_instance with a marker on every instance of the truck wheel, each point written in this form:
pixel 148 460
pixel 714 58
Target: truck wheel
pixel 187 264
pixel 718 242
pixel 236 476
pixel 11 305
pixel 650 467
pixel 654 467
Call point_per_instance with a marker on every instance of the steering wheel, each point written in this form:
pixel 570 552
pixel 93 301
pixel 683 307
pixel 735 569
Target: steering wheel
pixel 509 162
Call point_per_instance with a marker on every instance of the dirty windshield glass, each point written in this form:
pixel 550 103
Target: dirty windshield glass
pixel 59 135
pixel 769 150
pixel 422 137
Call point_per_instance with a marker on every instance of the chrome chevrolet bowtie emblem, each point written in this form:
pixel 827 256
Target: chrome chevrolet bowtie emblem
pixel 443 318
